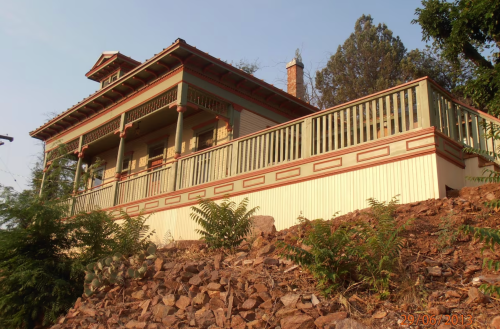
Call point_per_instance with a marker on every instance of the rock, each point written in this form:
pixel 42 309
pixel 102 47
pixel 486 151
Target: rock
pixel 379 315
pixel 183 302
pixel 195 280
pixel 267 305
pixel 191 267
pixel 237 322
pixel 169 321
pixel 259 287
pixel 249 304
pixel 304 306
pixel 439 309
pixel 215 303
pixel 469 270
pixel 476 296
pixel 159 275
pixel 452 294
pixel 434 271
pixel 158 264
pixel 204 318
pixel 220 318
pixel 350 324
pixel 255 324
pixel 302 321
pixel 262 225
pixel 314 300
pixel 138 294
pixel 133 324
pixel 88 311
pixel 266 250
pixel 248 315
pixel 259 242
pixel 160 311
pixel 201 299
pixel 213 286
pixel 271 261
pixel 330 319
pixel 290 300
pixel 495 323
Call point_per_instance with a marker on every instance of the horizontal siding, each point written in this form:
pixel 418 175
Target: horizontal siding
pixel 413 179
pixel 251 122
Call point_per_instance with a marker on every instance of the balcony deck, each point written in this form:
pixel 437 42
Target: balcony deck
pixel 415 119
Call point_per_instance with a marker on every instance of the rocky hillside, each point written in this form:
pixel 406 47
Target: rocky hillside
pixel 189 287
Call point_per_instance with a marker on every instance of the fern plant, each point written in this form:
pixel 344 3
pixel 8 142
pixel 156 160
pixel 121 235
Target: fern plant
pixel 133 234
pixel 332 255
pixel 491 237
pixel 224 225
pixel 383 245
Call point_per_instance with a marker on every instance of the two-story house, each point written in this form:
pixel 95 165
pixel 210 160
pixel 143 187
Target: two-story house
pixel 184 125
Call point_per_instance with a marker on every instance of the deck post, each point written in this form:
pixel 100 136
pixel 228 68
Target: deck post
pixel 182 95
pixel 119 158
pixel 306 137
pixel 424 108
pixel 171 177
pixel 78 172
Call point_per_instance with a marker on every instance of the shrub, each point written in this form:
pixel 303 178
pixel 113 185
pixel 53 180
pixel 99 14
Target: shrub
pixel 332 254
pixel 36 285
pixel 95 235
pixel 224 225
pixel 353 250
pixel 447 234
pixel 133 234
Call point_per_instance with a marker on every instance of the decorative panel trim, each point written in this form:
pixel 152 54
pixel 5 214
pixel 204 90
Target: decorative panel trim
pixel 329 164
pixel 373 154
pixel 288 173
pixel 132 209
pixel 254 181
pixel 453 150
pixel 409 147
pixel 151 106
pixel 223 188
pixel 175 199
pixel 151 205
pixel 195 195
pixel 101 131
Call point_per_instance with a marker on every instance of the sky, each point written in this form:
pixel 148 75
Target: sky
pixel 48 46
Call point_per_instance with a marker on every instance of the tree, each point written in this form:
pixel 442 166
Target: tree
pixel 465 30
pixel 367 62
pixel 247 66
pixel 372 59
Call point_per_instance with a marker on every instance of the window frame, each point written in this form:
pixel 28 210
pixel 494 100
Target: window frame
pixel 212 127
pixel 94 171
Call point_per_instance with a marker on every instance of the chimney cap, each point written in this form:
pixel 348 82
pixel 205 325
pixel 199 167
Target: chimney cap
pixel 294 62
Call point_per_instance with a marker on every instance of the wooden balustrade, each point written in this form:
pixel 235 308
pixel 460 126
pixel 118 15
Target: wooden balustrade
pixel 153 182
pixel 203 167
pixel 98 198
pixel 417 104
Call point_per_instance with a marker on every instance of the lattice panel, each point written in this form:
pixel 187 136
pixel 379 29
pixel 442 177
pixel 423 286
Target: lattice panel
pixel 70 148
pixel 207 101
pixel 73 145
pixel 151 106
pixel 95 134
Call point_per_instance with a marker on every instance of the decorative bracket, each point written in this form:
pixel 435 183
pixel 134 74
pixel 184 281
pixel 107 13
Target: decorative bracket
pixel 81 154
pixel 226 120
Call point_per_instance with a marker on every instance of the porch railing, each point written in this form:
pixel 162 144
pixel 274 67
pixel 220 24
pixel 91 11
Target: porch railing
pixel 98 198
pixel 151 183
pixel 417 104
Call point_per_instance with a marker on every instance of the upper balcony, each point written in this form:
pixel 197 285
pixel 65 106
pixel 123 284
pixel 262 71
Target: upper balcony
pixel 397 114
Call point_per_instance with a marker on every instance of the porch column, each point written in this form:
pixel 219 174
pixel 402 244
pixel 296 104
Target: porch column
pixel 182 89
pixel 44 172
pixel 119 157
pixel 78 172
pixel 182 93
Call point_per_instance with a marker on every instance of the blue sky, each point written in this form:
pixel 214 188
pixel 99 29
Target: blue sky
pixel 48 46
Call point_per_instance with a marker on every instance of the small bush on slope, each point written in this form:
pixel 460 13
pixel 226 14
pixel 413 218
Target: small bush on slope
pixel 224 225
pixel 353 250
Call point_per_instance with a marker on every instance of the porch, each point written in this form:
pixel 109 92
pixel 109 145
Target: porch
pixel 412 119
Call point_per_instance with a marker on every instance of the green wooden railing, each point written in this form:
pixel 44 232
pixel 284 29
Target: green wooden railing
pixel 417 104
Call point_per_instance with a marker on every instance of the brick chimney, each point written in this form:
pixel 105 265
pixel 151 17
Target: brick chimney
pixel 295 72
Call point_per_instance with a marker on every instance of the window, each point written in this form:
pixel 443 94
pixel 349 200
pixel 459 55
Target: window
pixel 125 168
pixel 109 80
pixel 155 157
pixel 205 140
pixel 98 176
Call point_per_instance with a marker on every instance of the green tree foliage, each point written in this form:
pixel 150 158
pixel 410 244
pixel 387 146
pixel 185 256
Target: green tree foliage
pixel 466 30
pixel 247 66
pixel 224 225
pixel 336 256
pixel 133 235
pixel 373 59
pixel 36 284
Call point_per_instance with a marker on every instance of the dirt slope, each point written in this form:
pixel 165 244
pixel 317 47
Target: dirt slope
pixel 191 287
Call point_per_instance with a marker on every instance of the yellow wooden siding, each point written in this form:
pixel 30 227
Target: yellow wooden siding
pixel 251 122
pixel 321 198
